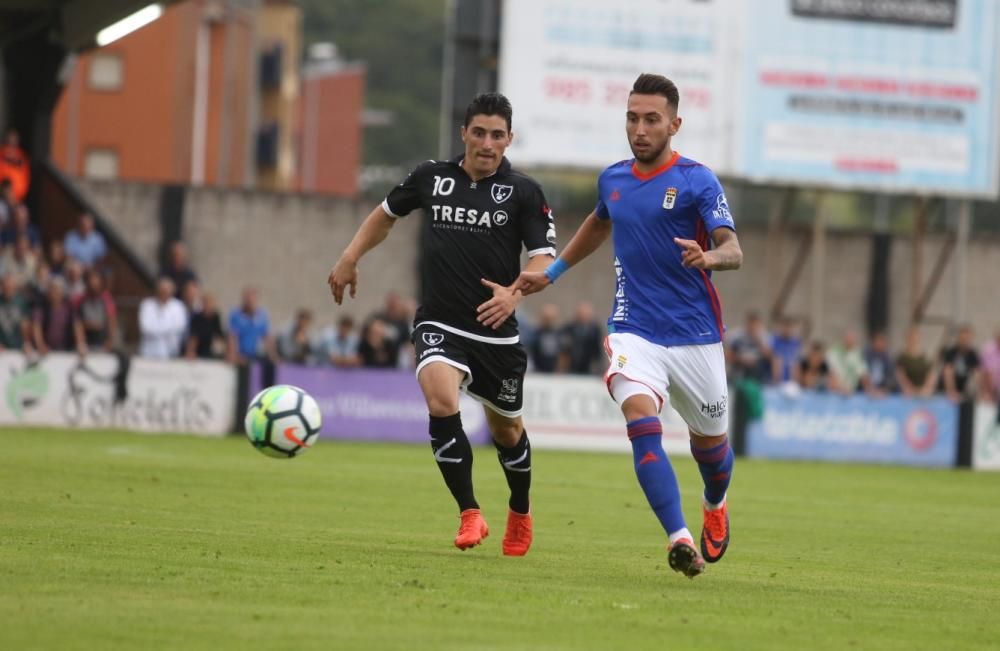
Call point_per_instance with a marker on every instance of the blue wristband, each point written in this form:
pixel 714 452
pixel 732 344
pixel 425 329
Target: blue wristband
pixel 556 269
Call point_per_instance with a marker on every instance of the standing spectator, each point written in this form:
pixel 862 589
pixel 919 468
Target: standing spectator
pixel 396 322
pixel 249 330
pixel 879 363
pixel 57 258
pixel 52 324
pixel 15 326
pixel 14 165
pixel 178 268
pixel 36 290
pixel 84 243
pixel 990 359
pixel 295 343
pixel 582 339
pixel 163 321
pixel 73 275
pixel 191 296
pixel 547 345
pixel 19 261
pixel 377 350
pixel 847 362
pixel 205 336
pixel 7 202
pixel 814 373
pixel 340 347
pixel 20 224
pixel 786 347
pixel 915 372
pixel 95 318
pixel 750 351
pixel 960 367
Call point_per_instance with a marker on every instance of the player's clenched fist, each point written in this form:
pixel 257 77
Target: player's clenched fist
pixel 343 274
pixel 530 282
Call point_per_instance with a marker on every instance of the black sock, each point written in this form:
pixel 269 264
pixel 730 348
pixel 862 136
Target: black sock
pixel 516 463
pixel 454 457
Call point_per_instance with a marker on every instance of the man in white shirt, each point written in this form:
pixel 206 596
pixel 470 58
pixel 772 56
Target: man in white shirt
pixel 163 322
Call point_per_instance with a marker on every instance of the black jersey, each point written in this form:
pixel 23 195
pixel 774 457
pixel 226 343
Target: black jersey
pixel 472 230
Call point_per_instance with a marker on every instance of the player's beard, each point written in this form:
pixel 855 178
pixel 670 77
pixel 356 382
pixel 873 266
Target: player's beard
pixel 650 155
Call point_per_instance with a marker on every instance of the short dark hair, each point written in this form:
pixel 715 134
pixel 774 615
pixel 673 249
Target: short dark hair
pixel 489 104
pixel 650 84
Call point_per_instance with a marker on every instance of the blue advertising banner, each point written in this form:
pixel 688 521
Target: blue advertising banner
pixel 825 427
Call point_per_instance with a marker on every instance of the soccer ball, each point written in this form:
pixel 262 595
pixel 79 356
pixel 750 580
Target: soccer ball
pixel 282 421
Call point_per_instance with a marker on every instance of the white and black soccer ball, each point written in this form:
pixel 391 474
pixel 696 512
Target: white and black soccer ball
pixel 282 421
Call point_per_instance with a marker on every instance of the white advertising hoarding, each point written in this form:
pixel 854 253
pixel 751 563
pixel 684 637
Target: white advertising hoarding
pixel 986 438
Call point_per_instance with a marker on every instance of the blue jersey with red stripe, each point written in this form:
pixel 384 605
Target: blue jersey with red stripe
pixel 656 297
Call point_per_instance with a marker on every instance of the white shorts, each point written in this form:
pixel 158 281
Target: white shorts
pixel 693 376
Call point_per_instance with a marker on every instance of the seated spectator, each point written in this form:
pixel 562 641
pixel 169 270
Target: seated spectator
pixel 178 268
pixel 915 372
pixel 205 336
pixel 548 341
pixel 73 275
pixel 750 351
pixel 163 322
pixel 57 259
pixel 14 165
pixel 881 376
pixel 396 323
pixel 7 202
pixel 377 349
pixel 786 346
pixel 249 330
pixel 814 373
pixel 15 324
pixel 84 243
pixel 960 367
pixel 990 359
pixel 20 225
pixel 295 343
pixel 96 321
pixel 847 362
pixel 52 323
pixel 340 347
pixel 36 290
pixel 19 261
pixel 583 342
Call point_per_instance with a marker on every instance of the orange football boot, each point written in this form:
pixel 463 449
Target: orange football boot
pixel 715 533
pixel 517 538
pixel 684 558
pixel 472 530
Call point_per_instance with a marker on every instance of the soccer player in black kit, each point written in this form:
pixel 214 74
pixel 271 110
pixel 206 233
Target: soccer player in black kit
pixel 477 214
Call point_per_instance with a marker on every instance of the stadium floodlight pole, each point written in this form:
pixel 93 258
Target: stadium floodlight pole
pixel 129 24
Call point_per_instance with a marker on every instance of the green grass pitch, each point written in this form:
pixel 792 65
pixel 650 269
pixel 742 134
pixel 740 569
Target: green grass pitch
pixel 116 540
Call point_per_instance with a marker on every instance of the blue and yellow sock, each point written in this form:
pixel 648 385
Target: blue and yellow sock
pixel 716 466
pixel 656 475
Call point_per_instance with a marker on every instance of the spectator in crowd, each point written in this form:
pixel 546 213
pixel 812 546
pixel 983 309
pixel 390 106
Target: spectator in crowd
pixel 14 165
pixel 75 286
pixel 847 363
pixel 960 367
pixel 163 321
pixel 749 351
pixel 396 322
pixel 19 261
pixel 813 371
pixel 191 296
pixel 786 346
pixel 178 268
pixel 95 318
pixel 205 336
pixel 7 202
pixel 20 224
pixel 84 243
pixel 990 359
pixel 881 375
pixel 36 290
pixel 377 349
pixel 547 346
pixel 249 330
pixel 57 258
pixel 205 340
pixel 340 347
pixel 15 326
pixel 52 325
pixel 295 343
pixel 582 342
pixel 915 372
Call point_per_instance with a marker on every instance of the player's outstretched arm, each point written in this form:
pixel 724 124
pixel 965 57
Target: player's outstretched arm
pixel 727 253
pixel 591 234
pixel 373 230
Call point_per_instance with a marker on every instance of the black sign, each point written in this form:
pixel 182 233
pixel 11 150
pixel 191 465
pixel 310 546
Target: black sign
pixel 922 13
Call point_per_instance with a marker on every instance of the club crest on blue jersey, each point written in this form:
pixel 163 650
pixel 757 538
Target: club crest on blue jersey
pixel 501 192
pixel 669 198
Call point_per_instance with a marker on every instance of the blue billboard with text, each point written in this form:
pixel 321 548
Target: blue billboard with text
pixel 825 427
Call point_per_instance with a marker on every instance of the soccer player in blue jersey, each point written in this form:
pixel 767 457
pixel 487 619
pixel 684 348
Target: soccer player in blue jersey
pixel 671 227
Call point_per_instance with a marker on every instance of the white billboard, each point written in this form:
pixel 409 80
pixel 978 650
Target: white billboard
pixel 568 65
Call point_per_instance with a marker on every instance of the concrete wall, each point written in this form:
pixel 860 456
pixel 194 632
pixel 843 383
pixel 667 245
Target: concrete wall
pixel 285 244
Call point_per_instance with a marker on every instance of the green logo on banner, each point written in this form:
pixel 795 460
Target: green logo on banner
pixel 25 389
